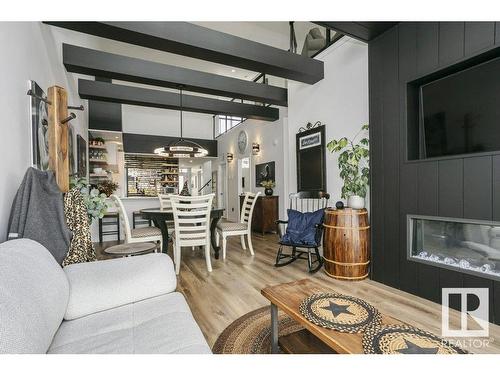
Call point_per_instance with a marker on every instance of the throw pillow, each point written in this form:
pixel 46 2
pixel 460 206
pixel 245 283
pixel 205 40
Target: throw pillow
pixel 301 228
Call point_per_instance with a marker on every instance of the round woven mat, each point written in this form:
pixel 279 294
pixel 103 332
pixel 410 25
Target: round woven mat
pixel 402 339
pixel 251 334
pixel 339 312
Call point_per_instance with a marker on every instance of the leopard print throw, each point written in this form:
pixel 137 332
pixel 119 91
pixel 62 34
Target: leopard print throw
pixel 81 248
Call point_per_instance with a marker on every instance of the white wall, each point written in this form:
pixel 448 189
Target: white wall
pixel 29 52
pixel 157 121
pixel 35 52
pixel 206 176
pixel 340 101
pixel 270 137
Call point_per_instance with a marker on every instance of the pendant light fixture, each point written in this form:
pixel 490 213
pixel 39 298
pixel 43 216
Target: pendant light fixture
pixel 182 148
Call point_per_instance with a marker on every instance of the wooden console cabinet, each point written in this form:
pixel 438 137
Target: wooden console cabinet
pixel 265 213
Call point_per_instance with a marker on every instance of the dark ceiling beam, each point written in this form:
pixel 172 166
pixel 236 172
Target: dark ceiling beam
pixel 364 31
pixel 199 42
pixel 108 92
pixel 102 64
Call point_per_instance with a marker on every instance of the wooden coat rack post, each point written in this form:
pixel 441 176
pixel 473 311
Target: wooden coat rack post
pixel 58 136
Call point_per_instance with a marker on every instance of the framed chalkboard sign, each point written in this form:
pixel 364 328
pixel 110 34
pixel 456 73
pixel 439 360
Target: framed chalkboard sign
pixel 311 159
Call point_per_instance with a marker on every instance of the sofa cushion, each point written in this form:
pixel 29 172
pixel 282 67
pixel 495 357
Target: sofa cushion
pixel 161 324
pixel 102 285
pixel 33 297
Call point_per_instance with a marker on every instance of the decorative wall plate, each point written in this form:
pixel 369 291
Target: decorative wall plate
pixel 242 141
pixel 405 339
pixel 339 312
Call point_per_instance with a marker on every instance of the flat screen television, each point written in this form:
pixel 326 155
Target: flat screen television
pixel 460 113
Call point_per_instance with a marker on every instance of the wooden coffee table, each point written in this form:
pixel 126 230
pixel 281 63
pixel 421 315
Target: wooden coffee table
pixel 288 297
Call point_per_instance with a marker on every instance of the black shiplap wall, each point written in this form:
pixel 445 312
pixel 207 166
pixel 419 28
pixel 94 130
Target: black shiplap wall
pixel 457 187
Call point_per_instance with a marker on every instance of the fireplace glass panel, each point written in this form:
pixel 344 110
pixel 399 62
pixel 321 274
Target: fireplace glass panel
pixel 463 245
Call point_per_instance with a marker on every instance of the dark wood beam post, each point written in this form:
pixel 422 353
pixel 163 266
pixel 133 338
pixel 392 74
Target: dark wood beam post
pixel 97 63
pixel 199 42
pixel 108 92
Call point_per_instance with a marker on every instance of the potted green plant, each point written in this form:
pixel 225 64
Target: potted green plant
pixel 94 200
pixel 100 141
pixel 268 186
pixel 353 161
pixel 107 187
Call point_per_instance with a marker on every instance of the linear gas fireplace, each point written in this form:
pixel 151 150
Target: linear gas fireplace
pixel 463 245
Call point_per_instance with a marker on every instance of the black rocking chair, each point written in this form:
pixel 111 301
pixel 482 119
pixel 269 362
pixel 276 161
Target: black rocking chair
pixel 304 201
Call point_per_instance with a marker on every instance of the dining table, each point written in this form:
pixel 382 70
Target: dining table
pixel 159 218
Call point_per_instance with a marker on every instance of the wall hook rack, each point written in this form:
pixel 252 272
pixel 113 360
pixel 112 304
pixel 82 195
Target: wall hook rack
pixel 69 118
pixel 77 107
pixel 31 93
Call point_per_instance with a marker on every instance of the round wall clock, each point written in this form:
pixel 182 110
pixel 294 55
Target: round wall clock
pixel 242 141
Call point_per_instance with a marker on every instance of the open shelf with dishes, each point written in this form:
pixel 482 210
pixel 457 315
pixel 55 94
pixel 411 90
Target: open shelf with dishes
pixel 150 175
pixel 104 149
pixel 98 162
pixel 100 147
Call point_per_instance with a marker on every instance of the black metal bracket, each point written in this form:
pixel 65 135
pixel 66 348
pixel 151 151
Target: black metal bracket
pixel 310 126
pixel 69 118
pixel 31 93
pixel 45 100
pixel 293 39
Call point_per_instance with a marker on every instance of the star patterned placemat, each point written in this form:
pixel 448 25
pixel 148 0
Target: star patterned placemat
pixel 339 312
pixel 405 339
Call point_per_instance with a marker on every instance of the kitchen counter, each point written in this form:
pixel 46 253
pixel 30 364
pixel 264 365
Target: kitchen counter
pixel 131 204
pixel 137 198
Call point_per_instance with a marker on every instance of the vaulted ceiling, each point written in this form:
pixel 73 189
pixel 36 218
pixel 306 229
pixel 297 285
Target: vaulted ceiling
pixel 195 42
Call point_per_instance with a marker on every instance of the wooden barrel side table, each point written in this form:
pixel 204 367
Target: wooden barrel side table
pixel 346 246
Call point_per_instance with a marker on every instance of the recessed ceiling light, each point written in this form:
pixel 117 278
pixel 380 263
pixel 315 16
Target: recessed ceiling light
pixel 233 70
pixel 117 137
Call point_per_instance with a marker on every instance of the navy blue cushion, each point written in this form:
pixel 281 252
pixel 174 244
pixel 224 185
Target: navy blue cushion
pixel 301 228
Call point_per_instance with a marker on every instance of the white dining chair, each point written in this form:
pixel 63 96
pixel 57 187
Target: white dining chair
pixel 243 228
pixel 165 202
pixel 166 205
pixel 192 225
pixel 135 235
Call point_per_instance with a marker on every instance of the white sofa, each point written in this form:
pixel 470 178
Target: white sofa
pixel 126 305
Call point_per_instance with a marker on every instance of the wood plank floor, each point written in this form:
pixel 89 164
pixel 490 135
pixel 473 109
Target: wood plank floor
pixel 233 289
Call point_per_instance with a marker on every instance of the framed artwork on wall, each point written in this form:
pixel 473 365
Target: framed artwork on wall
pixel 71 150
pixel 264 172
pixel 39 128
pixel 311 159
pixel 81 146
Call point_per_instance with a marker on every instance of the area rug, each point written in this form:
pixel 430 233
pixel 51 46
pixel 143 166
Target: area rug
pixel 405 339
pixel 339 312
pixel 251 334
